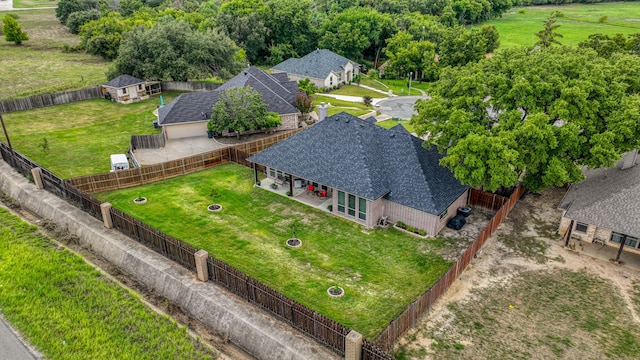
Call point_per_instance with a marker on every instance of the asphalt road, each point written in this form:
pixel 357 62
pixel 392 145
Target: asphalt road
pixel 11 347
pixel 399 107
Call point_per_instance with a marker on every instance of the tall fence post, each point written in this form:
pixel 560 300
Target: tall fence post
pixel 36 173
pixel 201 265
pixel 353 346
pixel 105 209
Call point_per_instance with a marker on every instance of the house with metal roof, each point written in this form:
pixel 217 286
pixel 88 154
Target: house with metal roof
pixel 604 207
pixel 126 89
pixel 367 173
pixel 189 113
pixel 323 67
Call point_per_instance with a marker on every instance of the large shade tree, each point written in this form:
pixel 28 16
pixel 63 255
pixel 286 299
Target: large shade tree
pixel 172 50
pixel 241 109
pixel 533 115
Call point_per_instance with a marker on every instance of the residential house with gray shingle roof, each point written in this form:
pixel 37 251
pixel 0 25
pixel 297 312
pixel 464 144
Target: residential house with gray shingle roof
pixel 189 113
pixel 126 89
pixel 323 67
pixel 369 172
pixel 606 205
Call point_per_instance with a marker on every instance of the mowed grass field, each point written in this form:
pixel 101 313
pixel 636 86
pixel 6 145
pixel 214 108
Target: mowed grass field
pixel 27 4
pixel 39 65
pixel 381 270
pixel 68 310
pixel 80 136
pixel 579 21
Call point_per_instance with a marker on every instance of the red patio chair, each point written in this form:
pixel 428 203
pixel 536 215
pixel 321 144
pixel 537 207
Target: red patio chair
pixel 310 189
pixel 323 193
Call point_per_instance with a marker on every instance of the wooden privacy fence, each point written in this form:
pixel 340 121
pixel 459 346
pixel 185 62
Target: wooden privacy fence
pixel 187 86
pixel 152 173
pixel 39 101
pixel 146 141
pixel 487 200
pixel 322 329
pixel 424 303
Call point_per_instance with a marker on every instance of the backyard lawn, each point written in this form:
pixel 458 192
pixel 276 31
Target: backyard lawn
pixel 381 270
pixel 398 86
pixel 518 26
pixel 388 124
pixel 40 65
pixel 68 310
pixel 337 106
pixel 77 138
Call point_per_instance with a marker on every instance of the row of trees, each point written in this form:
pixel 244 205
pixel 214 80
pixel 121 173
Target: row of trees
pixel 270 31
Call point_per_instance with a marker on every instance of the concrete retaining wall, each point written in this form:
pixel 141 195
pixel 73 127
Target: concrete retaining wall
pixel 245 325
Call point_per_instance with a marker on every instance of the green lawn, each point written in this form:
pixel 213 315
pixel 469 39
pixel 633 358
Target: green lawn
pixel 354 90
pixel 21 4
pixel 68 310
pixel 39 65
pixel 80 136
pixel 579 21
pixel 399 86
pixel 337 106
pixel 388 124
pixel 381 270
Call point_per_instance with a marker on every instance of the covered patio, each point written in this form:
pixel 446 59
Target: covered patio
pixel 300 194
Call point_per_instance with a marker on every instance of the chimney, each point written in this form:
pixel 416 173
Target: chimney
pixel 629 159
pixel 323 111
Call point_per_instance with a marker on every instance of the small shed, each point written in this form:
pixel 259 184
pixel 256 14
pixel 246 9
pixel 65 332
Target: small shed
pixel 126 89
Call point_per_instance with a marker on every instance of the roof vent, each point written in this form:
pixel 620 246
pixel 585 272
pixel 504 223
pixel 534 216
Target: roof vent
pixel 245 73
pixel 392 135
pixel 347 120
pixel 204 116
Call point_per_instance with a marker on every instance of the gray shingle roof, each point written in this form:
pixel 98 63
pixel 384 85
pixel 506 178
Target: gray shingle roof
pixel 316 64
pixel 608 198
pixel 361 158
pixel 123 81
pixel 278 93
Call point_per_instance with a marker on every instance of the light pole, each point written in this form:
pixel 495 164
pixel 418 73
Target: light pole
pixel 410 76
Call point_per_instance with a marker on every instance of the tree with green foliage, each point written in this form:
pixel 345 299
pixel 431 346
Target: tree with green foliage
pixel 548 36
pixel 244 22
pixel 102 37
pixel 533 115
pixel 172 50
pixel 79 18
pixel 356 32
pixel 241 109
pixel 67 7
pixel 607 45
pixel 289 24
pixel 407 55
pixel 13 31
pixel 307 86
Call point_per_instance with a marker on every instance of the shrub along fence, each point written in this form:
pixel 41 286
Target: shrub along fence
pixel 424 303
pixel 38 101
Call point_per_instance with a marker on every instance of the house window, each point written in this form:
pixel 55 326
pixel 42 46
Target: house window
pixel 341 201
pixel 631 241
pixel 339 77
pixel 581 227
pixel 124 90
pixel 443 214
pixel 362 209
pixel 140 87
pixel 352 205
pixel 272 172
pixel 331 80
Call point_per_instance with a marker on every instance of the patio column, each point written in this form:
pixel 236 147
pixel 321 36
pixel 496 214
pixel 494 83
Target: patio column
pixel 255 173
pixel 290 185
pixel 624 240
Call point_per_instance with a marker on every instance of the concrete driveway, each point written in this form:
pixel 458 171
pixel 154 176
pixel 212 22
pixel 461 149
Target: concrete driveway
pixel 401 107
pixel 11 347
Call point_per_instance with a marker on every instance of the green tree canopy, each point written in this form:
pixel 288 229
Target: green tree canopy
pixel 67 7
pixel 548 35
pixel 13 31
pixel 241 109
pixel 172 50
pixel 534 115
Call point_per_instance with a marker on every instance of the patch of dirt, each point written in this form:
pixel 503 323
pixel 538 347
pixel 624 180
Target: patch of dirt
pixel 526 296
pixel 218 342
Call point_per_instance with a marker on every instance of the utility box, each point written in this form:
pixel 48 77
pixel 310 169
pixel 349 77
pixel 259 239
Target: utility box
pixel 119 162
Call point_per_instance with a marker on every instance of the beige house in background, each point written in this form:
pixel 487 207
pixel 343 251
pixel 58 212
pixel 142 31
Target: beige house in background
pixel 323 67
pixel 188 114
pixel 605 207
pixel 369 173
pixel 127 89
